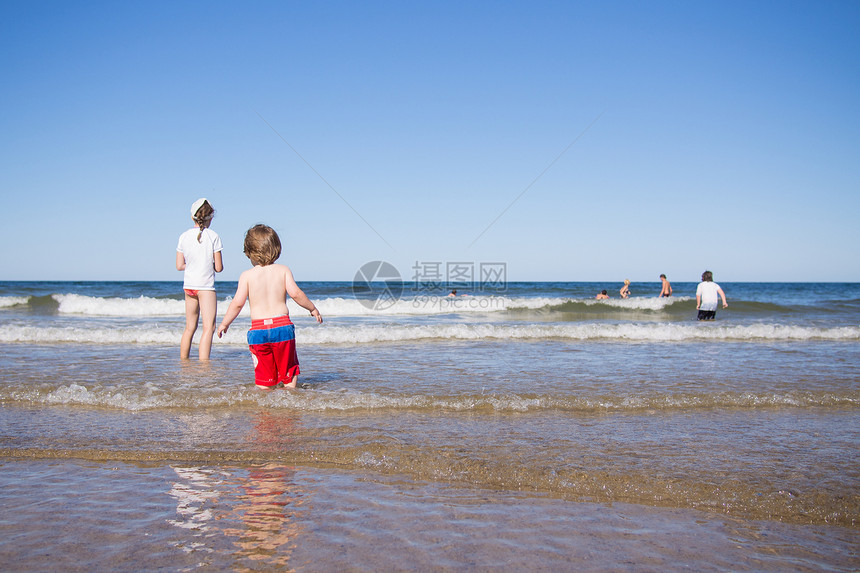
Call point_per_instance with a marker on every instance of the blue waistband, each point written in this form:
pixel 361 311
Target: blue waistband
pixel 277 334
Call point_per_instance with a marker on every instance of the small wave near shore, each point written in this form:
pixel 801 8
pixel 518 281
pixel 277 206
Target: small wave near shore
pixel 393 333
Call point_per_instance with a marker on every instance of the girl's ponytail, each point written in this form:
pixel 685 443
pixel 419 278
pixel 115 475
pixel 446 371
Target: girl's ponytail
pixel 202 216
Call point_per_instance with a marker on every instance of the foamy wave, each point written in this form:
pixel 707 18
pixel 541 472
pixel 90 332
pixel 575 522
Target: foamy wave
pixel 336 306
pixel 642 303
pixel 419 305
pixel 340 306
pixel 637 303
pixel 98 306
pixel 116 335
pixel 126 400
pixel 151 396
pixel 142 306
pixel 7 301
pixel 587 331
pixel 307 333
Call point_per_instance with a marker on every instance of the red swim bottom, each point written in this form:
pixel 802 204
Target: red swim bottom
pixel 272 343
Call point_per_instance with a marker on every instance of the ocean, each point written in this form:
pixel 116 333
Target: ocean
pixel 531 427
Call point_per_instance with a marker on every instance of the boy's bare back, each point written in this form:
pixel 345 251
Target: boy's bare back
pixel 266 285
pixel 267 288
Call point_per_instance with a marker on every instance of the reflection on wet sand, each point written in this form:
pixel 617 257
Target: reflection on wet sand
pixel 273 432
pixel 267 509
pixel 254 509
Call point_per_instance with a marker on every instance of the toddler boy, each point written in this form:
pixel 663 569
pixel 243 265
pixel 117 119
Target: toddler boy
pixel 272 338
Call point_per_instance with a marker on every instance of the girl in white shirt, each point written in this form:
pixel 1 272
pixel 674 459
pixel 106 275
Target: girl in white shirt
pixel 199 255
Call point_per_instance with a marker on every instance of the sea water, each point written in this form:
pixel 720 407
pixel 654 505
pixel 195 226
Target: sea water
pixel 532 427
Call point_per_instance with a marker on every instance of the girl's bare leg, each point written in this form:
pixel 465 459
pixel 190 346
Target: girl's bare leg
pixel 192 313
pixel 208 310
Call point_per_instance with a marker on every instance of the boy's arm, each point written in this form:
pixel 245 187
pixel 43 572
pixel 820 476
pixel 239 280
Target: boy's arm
pixel 299 296
pixel 235 305
pixel 722 294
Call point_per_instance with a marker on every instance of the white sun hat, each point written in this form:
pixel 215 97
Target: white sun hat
pixel 197 204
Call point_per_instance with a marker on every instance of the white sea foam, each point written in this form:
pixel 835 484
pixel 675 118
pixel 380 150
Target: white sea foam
pixel 360 334
pixel 148 397
pixel 91 335
pixel 142 306
pixel 579 331
pixel 340 306
pixel 418 305
pixel 130 400
pixel 98 306
pixel 9 301
pixel 642 303
pixel 335 306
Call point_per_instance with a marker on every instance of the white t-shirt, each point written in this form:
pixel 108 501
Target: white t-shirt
pixel 199 258
pixel 708 290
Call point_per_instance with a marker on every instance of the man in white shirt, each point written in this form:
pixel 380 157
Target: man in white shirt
pixel 707 294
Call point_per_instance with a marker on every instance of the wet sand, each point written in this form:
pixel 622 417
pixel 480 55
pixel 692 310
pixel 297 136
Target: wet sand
pixel 84 516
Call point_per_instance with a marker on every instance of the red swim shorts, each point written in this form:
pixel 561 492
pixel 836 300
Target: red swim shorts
pixel 191 292
pixel 272 342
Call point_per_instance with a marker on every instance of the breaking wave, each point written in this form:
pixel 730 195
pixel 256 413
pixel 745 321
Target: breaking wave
pixel 151 396
pixel 144 306
pixel 380 333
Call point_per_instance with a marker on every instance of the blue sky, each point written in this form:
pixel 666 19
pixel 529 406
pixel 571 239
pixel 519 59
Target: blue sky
pixel 722 135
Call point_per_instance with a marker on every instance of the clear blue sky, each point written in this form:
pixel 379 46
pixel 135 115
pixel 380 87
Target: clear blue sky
pixel 721 135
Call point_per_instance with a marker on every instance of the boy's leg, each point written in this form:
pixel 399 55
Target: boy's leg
pixel 265 371
pixel 208 304
pixel 287 362
pixel 192 313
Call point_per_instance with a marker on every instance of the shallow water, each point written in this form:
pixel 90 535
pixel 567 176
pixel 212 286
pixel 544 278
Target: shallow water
pixel 548 436
pixel 275 517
